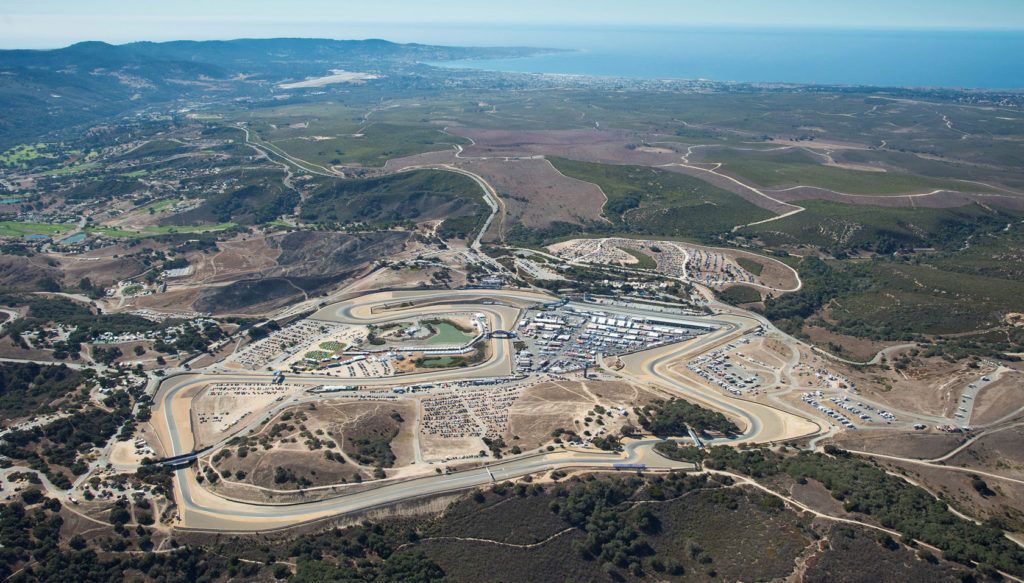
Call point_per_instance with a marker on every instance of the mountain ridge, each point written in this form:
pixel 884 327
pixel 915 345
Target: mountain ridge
pixel 47 91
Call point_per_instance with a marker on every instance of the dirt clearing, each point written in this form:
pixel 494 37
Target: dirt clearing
pixel 999 398
pixel 548 406
pixel 918 445
pixel 536 194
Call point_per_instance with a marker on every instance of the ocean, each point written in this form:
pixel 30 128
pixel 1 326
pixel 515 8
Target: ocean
pixel 968 59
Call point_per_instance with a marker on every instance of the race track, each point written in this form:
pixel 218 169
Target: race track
pixel 200 509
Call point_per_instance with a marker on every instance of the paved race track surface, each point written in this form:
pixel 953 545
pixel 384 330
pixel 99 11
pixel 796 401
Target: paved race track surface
pixel 201 509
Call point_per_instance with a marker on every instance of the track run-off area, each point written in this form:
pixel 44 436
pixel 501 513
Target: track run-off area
pixel 201 509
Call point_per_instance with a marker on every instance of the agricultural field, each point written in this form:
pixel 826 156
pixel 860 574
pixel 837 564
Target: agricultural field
pixel 275 121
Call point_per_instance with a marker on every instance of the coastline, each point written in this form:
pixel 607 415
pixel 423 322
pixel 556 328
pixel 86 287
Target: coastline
pixel 877 58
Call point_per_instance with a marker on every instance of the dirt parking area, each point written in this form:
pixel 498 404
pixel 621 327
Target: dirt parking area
pixel 816 496
pixel 710 266
pixel 9 350
pixel 999 398
pixel 105 265
pixel 438 448
pixel 931 386
pixel 764 353
pixel 462 416
pixel 918 445
pixel 219 407
pixel 124 454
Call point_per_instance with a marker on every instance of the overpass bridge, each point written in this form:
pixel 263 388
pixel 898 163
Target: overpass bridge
pixel 555 304
pixel 183 459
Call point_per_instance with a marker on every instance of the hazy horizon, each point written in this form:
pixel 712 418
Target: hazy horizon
pixel 532 36
pixel 806 55
pixel 943 43
pixel 59 23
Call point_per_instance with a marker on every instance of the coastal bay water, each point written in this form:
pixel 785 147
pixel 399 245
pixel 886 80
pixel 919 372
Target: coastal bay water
pixel 918 58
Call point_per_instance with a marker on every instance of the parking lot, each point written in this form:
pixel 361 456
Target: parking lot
pixel 858 411
pixel 730 374
pixel 570 337
pixel 965 409
pixel 705 265
pixel 224 405
pixel 362 366
pixel 287 341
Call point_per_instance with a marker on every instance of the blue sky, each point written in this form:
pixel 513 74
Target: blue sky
pixel 53 23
